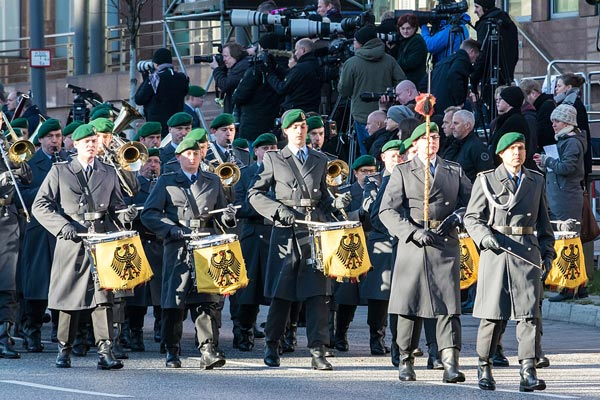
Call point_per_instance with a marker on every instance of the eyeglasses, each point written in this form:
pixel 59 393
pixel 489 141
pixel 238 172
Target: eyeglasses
pixel 367 171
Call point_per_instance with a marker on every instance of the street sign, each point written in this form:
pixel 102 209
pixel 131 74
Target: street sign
pixel 40 58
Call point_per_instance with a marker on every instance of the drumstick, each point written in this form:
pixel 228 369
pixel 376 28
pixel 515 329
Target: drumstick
pixel 196 234
pixel 218 210
pixel 314 223
pixel 99 235
pixel 127 209
pixel 519 257
pixel 560 222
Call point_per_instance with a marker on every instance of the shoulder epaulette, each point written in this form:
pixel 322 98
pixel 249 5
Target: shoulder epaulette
pixel 485 172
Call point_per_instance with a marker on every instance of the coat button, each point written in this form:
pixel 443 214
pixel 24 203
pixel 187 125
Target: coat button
pixel 445 239
pixel 391 238
pixel 293 189
pixel 101 205
pixel 261 236
pixel 529 249
pixel 509 249
pixel 80 204
pixel 529 214
pixel 315 190
pixel 509 213
pixel 205 208
pixel 447 203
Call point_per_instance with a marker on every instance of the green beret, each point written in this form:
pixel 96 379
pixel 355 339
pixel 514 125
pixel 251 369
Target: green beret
pixel 69 129
pixel 307 140
pixel 222 120
pixel 363 161
pixel 83 131
pixel 153 152
pixel 198 134
pixel 17 131
pixel 187 144
pixel 420 130
pixel 406 145
pixel 314 122
pixel 266 139
pixel 149 128
pixel 100 112
pixel 291 116
pixel 240 143
pixel 102 125
pixel 179 119
pixel 392 145
pixel 508 139
pixel 196 91
pixel 49 125
pixel 20 123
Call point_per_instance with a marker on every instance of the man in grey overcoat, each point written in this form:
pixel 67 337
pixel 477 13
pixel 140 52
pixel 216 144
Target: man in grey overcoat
pixel 425 281
pixel 74 196
pixel 289 277
pixel 508 206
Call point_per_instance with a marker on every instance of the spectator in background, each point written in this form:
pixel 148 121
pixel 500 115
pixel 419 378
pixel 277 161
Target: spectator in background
pixel 375 128
pixel 163 91
pixel 22 124
pixel 444 40
pixel 395 116
pixel 330 9
pixel 450 78
pixel 227 75
pixel 11 103
pixel 369 70
pixel 544 105
pixel 388 23
pixel 410 50
pixel 406 93
pixel 193 102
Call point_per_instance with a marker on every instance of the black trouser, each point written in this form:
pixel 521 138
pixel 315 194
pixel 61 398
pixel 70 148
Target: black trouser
pixel 8 306
pixel 447 327
pixel 316 320
pixel 135 315
pixel 33 314
pixel 205 321
pixel 102 322
pixel 490 330
pixel 119 310
pixel 247 314
pixel 377 314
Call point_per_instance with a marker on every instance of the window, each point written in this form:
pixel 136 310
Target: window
pixel 10 28
pixel 565 8
pixel 519 9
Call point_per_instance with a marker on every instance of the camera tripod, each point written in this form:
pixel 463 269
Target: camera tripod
pixel 456 33
pixel 350 134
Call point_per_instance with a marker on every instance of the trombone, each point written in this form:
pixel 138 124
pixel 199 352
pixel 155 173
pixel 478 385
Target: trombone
pixel 337 173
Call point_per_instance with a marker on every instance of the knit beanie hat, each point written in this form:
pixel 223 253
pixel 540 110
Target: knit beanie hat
pixel 486 4
pixel 513 95
pixel 565 113
pixel 162 56
pixel 399 113
pixel 366 33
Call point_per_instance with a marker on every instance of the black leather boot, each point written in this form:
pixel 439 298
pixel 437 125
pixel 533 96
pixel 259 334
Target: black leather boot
pixel 6 348
pixel 258 334
pixel 63 360
pixel 172 360
pixel 344 317
pixel 117 347
pixel 484 374
pixel 157 336
pixel 395 354
pixel 449 358
pixel 406 371
pixel 318 360
pixel 246 342
pixel 377 342
pixel 80 348
pixel 498 359
pixel 272 354
pixel 210 357
pixel 289 342
pixel 125 337
pixel 32 339
pixel 137 340
pixel 106 358
pixel 433 358
pixel 529 380
pixel 542 362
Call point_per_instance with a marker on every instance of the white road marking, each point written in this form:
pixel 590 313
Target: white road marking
pixel 538 393
pixel 61 389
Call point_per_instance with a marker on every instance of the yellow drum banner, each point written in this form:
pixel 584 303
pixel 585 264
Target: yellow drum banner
pixel 345 254
pixel 469 262
pixel 220 269
pixel 121 264
pixel 568 269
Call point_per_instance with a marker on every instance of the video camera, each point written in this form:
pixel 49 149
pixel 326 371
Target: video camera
pixel 445 10
pixel 145 66
pixel 369 97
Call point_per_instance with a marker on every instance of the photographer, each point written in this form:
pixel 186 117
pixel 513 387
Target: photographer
pixel 301 86
pixel 505 58
pixel 228 74
pixel 163 90
pixel 369 70
pixel 444 40
pixel 330 9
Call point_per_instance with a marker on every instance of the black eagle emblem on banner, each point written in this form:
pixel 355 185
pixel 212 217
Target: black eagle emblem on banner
pixel 224 268
pixel 466 263
pixel 126 262
pixel 351 251
pixel 569 262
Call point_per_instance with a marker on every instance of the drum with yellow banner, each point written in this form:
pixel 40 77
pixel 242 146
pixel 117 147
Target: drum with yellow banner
pixel 568 269
pixel 469 261
pixel 218 264
pixel 119 259
pixel 339 250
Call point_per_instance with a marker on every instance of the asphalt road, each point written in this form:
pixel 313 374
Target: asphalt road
pixel 574 352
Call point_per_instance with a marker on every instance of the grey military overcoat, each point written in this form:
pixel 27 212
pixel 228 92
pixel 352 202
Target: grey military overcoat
pixel 426 279
pixel 508 287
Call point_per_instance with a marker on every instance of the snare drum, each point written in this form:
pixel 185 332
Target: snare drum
pixel 119 259
pixel 568 269
pixel 218 264
pixel 338 249
pixel 469 261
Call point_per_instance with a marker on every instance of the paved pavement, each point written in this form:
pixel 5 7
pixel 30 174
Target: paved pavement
pixel 574 352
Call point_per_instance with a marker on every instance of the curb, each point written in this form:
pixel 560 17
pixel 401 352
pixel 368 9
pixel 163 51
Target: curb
pixel 573 313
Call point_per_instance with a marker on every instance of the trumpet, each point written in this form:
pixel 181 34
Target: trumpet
pixel 228 172
pixel 126 156
pixel 20 150
pixel 337 173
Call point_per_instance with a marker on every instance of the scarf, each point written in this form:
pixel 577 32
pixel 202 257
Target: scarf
pixel 155 78
pixel 566 131
pixel 567 97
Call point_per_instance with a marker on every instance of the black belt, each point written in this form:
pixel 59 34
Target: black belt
pixel 431 224
pixel 514 230
pixel 91 216
pixel 259 221
pixel 303 203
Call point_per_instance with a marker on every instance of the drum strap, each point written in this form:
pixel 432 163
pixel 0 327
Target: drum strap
pixel 86 191
pixel 299 178
pixel 191 201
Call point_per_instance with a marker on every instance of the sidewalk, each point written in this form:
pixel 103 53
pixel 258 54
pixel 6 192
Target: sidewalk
pixel 583 312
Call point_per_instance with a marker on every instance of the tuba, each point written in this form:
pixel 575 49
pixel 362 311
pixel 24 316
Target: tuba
pixel 127 114
pixel 337 173
pixel 19 150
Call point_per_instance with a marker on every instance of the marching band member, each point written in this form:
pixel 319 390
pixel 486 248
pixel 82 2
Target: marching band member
pixel 67 136
pixel 296 175
pixel 38 244
pixel 180 124
pixel 73 197
pixel 199 135
pixel 507 207
pixel 222 129
pixel 177 202
pixel 149 134
pixel 425 282
pixel 254 238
